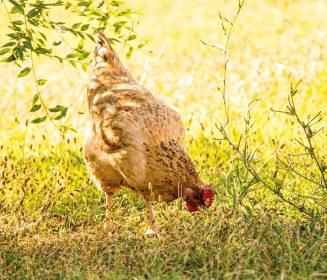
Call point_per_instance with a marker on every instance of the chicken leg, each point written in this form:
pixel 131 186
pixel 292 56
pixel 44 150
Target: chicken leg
pixel 152 227
pixel 109 225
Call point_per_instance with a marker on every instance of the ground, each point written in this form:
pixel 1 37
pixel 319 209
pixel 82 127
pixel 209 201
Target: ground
pixel 51 214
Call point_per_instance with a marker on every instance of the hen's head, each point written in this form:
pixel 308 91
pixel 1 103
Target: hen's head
pixel 195 198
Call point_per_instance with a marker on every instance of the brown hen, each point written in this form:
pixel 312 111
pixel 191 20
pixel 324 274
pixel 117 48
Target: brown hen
pixel 135 140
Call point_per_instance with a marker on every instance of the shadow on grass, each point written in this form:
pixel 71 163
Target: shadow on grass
pixel 211 244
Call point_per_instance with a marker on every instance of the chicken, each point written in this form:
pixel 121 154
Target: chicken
pixel 136 141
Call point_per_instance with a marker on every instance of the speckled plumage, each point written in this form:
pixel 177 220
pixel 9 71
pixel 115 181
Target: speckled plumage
pixel 135 140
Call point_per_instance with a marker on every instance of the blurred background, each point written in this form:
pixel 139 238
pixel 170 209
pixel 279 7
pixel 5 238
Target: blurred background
pixel 273 43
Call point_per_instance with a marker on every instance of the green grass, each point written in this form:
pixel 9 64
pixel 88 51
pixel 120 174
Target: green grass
pixel 56 231
pixel 51 214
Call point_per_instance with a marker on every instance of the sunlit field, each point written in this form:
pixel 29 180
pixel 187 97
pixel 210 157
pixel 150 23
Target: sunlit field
pixel 269 219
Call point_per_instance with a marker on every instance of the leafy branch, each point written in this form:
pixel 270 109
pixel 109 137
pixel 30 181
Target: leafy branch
pixel 243 172
pixel 33 23
pixel 248 158
pixel 227 28
pixel 308 127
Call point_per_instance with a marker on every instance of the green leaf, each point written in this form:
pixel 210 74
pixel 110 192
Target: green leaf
pixel 14 36
pixel 10 44
pixel 35 98
pixel 100 4
pixel 83 55
pixel 72 55
pixel 84 27
pixel 115 3
pixel 61 109
pixel 39 120
pixel 18 8
pixel 18 53
pixel 131 37
pixel 24 72
pixel 67 5
pixel 76 25
pixel 113 40
pixel 41 82
pixel 58 108
pixel 17 22
pixel 43 51
pixel 43 36
pixel 91 37
pixel 74 64
pixel 41 41
pixel 118 26
pixel 15 28
pixel 35 108
pixel 62 114
pixel 9 59
pixel 84 4
pixel 80 34
pixel 33 13
pixel 28 44
pixel 129 53
pixel 84 66
pixel 126 13
pixel 5 50
pixel 56 43
pixel 80 45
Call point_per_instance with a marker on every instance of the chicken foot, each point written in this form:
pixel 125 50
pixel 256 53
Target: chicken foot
pixel 152 227
pixel 109 225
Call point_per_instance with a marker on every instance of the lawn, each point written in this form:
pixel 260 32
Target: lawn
pixel 269 219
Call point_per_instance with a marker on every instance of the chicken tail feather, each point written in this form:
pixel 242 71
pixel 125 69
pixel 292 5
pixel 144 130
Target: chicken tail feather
pixel 104 53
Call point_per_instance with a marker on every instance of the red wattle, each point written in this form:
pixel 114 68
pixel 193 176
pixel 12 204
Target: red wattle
pixel 191 208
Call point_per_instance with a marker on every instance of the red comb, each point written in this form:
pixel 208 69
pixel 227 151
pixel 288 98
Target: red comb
pixel 208 196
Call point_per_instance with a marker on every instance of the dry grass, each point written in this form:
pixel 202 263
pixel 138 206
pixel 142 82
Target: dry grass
pixel 51 214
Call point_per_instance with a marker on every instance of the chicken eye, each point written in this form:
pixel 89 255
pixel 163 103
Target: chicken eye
pixel 197 197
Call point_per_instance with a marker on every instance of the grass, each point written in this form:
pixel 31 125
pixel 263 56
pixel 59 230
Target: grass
pixel 51 214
